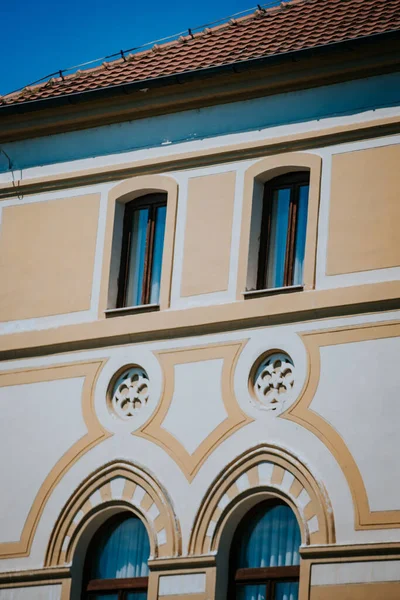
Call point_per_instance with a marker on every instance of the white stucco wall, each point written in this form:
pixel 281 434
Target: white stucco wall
pixel 336 405
pixel 41 421
pixel 357 394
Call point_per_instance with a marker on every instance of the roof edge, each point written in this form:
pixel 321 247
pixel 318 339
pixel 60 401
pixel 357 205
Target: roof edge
pixel 187 76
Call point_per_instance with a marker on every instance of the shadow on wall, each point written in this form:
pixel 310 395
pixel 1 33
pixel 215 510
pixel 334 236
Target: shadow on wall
pixel 282 109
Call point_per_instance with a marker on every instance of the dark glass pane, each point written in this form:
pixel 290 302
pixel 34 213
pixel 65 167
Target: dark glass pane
pixel 103 596
pixel 301 229
pixel 271 539
pixel 158 248
pixel 276 245
pixel 136 596
pixel 136 257
pixel 251 592
pixel 121 551
pixel 287 590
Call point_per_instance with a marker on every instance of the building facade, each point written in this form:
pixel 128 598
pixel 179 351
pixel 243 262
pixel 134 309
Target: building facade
pixel 199 306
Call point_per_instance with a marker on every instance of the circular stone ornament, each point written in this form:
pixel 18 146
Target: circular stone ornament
pixel 129 392
pixel 272 380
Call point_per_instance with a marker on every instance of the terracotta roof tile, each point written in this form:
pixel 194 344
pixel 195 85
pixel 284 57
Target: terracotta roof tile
pixel 295 25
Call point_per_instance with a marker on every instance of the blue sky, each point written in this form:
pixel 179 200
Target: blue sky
pixel 42 36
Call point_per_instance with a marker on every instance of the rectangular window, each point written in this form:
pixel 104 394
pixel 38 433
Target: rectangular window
pixel 142 251
pixel 283 231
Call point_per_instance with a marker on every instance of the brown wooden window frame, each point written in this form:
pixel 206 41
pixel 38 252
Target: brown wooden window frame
pixel 268 576
pixel 116 586
pixel 293 180
pixel 122 586
pixel 152 202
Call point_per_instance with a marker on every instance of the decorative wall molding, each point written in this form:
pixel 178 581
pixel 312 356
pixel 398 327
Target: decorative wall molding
pixel 347 552
pixel 145 387
pixel 95 434
pixel 301 413
pixel 123 485
pixel 129 392
pixel 272 380
pixel 296 307
pixel 34 576
pixel 153 430
pixel 263 469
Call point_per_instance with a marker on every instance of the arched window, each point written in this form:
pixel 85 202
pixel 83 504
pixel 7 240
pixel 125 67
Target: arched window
pixel 142 251
pixel 283 231
pixel 264 558
pixel 116 561
pixel 278 232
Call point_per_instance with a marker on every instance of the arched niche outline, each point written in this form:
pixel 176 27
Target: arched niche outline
pixel 119 195
pixel 116 487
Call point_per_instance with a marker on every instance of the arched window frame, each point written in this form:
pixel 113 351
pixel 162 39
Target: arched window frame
pixel 116 586
pixel 268 576
pixel 150 203
pixel 255 179
pixel 293 182
pixel 108 491
pixel 261 473
pixel 131 191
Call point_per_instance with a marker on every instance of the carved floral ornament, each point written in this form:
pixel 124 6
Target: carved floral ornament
pixel 129 392
pixel 271 381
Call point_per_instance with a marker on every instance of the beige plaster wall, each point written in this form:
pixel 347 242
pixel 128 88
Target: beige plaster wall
pixel 364 211
pixel 208 234
pixel 357 591
pixel 47 252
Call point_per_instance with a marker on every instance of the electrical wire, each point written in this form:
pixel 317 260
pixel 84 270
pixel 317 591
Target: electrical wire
pixel 121 53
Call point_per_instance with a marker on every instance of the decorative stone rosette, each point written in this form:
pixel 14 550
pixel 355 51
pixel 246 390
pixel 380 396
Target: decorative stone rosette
pixel 129 393
pixel 272 381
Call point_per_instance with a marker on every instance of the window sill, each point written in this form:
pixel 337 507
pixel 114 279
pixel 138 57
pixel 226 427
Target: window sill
pixel 248 294
pixel 131 310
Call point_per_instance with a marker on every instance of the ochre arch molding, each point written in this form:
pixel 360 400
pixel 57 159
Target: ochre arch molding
pixel 153 429
pixel 123 485
pixel 269 469
pixel 125 192
pixel 301 414
pixel 95 434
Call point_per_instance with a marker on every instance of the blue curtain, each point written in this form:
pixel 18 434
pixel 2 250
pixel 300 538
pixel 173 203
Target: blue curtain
pixel 157 254
pixel 277 242
pixel 251 592
pixel 136 258
pixel 278 238
pixel 284 590
pixel 300 244
pixel 287 590
pixel 271 540
pixel 122 551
